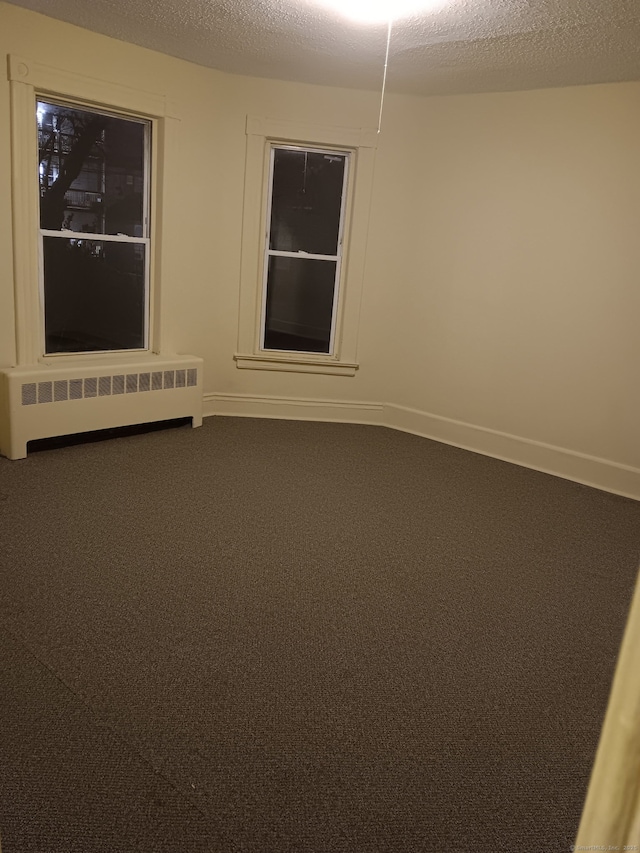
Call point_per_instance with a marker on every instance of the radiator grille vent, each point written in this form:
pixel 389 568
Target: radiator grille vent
pixel 45 392
pixel 105 386
pixel 60 390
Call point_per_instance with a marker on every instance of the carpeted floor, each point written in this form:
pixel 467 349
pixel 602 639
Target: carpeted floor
pixel 268 636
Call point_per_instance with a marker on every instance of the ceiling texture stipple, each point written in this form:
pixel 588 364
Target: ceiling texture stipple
pixel 459 46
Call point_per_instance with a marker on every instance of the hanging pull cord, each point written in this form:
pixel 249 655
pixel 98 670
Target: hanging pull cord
pixel 384 76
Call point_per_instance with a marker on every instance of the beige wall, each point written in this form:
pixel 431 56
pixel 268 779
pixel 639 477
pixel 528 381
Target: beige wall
pixel 521 300
pixel 501 280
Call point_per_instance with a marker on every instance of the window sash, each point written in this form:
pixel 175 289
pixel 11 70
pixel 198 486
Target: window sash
pixel 99 237
pixel 91 238
pixel 93 235
pixel 268 252
pixel 279 253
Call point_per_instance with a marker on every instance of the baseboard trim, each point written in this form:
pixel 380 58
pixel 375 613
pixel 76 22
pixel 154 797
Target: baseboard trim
pixel 581 468
pixel 292 408
pixel 569 464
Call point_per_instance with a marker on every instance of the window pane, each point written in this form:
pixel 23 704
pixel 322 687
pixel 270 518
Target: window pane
pixel 91 167
pixel 94 295
pixel 299 304
pixel 306 201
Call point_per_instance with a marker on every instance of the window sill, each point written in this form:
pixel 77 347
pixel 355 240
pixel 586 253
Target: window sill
pixel 98 361
pixel 294 364
pixel 107 356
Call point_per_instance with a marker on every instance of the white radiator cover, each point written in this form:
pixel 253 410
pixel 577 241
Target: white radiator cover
pixel 53 399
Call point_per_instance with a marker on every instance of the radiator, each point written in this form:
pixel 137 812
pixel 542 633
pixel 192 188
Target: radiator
pixel 46 400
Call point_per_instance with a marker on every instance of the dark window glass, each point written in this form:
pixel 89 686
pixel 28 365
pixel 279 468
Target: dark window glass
pixel 306 201
pixel 300 294
pixel 92 171
pixel 94 295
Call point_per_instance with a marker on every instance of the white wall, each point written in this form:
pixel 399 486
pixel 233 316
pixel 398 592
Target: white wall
pixel 501 279
pixel 519 306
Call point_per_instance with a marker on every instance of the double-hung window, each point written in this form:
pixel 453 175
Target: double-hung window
pixel 93 177
pixel 88 162
pixel 303 251
pixel 307 199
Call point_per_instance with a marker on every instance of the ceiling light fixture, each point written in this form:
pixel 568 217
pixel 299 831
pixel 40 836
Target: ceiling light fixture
pixel 379 11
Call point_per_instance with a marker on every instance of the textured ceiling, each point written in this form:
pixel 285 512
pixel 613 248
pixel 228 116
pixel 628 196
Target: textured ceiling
pixel 460 46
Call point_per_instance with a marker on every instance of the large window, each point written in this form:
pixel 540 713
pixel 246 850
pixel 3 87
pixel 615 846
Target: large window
pixel 94 228
pixel 94 214
pixel 307 198
pixel 307 191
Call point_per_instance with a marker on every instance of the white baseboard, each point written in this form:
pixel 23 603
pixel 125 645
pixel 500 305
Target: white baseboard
pixel 568 464
pixel 292 408
pixel 560 462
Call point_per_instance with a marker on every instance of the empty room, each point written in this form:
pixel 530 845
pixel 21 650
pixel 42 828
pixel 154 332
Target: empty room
pixel 319 419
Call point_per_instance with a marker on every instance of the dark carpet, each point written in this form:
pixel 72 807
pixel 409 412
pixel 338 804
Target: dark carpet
pixel 267 636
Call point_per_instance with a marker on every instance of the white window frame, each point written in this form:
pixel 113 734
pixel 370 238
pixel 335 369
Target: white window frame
pixel 29 80
pixel 262 136
pixel 270 253
pixel 106 238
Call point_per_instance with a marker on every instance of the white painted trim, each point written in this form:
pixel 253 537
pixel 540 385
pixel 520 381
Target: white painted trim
pixel 295 131
pixel 28 79
pixel 165 199
pixel 558 461
pixel 26 219
pixel 94 237
pixel 581 468
pixel 81 87
pixel 261 134
pixel 291 408
pixel 611 815
pixel 300 255
pixel 294 363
